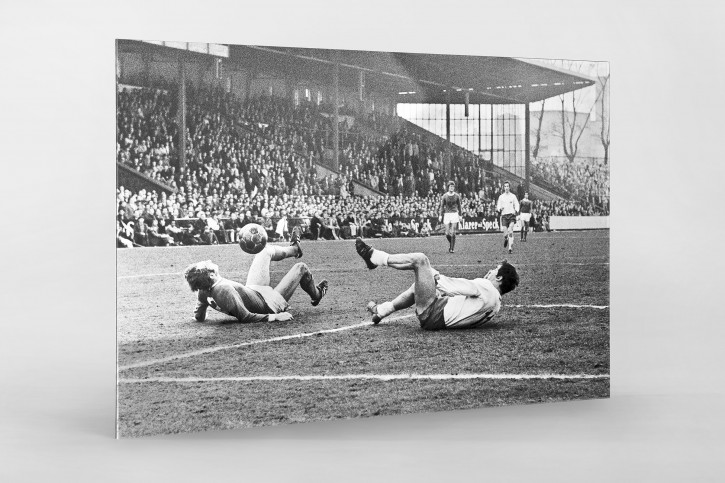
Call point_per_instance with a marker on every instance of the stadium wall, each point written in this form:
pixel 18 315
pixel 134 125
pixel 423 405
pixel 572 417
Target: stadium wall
pixel 469 225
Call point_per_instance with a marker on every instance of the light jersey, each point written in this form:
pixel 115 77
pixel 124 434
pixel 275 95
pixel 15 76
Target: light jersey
pixel 471 303
pixel 508 204
pixel 450 203
pixel 525 206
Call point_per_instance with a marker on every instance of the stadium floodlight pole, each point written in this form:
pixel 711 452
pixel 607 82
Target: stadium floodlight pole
pixel 492 128
pixel 449 158
pixel 182 112
pixel 448 115
pixel 527 147
pixel 336 113
pixel 479 130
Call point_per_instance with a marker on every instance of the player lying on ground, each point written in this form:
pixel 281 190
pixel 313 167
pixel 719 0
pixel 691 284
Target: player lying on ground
pixel 256 301
pixel 441 302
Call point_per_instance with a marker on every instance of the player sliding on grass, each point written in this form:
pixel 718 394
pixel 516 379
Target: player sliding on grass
pixel 441 302
pixel 257 301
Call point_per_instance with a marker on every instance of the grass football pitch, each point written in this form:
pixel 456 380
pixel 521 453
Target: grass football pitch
pixel 550 342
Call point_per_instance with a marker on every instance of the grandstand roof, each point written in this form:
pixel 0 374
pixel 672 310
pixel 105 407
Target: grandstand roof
pixel 425 78
pixel 410 77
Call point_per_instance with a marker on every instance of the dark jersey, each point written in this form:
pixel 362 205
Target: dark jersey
pixel 234 299
pixel 450 203
pixel 525 206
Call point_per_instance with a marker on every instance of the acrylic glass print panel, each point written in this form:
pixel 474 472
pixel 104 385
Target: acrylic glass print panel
pixel 431 234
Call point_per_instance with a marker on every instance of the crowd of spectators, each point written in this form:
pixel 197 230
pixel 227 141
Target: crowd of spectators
pixel 152 219
pixel 585 181
pixel 268 141
pixel 254 160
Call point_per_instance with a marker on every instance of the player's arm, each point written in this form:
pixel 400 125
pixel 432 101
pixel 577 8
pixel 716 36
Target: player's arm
pixel 458 204
pixel 499 204
pixel 441 208
pixel 517 206
pixel 230 302
pixel 201 305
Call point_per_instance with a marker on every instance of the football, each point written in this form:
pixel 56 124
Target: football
pixel 252 238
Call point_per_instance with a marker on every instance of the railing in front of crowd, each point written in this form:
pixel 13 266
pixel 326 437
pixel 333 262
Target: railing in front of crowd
pixel 469 224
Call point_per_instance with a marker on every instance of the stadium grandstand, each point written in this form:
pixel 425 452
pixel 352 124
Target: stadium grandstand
pixel 211 137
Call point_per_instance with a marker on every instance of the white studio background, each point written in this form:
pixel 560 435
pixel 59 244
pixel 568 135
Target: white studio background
pixel 664 421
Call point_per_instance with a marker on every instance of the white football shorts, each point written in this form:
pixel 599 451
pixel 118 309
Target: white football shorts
pixel 274 299
pixel 449 218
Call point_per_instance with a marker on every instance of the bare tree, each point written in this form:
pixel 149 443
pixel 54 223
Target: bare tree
pixel 571 130
pixel 604 103
pixel 575 123
pixel 540 119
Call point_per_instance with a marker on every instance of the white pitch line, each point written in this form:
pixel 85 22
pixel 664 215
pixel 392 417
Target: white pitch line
pixel 149 275
pixel 554 306
pixel 208 350
pixel 377 377
pixel 529 264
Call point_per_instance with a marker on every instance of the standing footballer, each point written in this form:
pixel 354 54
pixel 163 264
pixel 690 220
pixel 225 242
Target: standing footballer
pixel 525 216
pixel 450 209
pixel 508 206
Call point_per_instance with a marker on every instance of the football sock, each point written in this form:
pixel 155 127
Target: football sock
pixel 274 252
pixel 379 257
pixel 308 285
pixel 385 309
pixel 453 242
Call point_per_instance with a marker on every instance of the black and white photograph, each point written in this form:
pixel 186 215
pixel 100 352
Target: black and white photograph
pixel 381 241
pixel 316 234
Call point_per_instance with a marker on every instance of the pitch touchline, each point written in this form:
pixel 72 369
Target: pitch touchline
pixel 377 377
pixel 356 269
pixel 244 344
pixel 310 334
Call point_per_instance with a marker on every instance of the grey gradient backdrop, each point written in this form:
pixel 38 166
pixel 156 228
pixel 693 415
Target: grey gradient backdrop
pixel 664 421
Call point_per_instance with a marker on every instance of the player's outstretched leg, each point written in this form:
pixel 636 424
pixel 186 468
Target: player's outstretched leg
pixel 280 253
pixel 259 270
pixel 365 251
pixel 424 286
pixel 402 301
pixel 321 289
pixel 300 275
